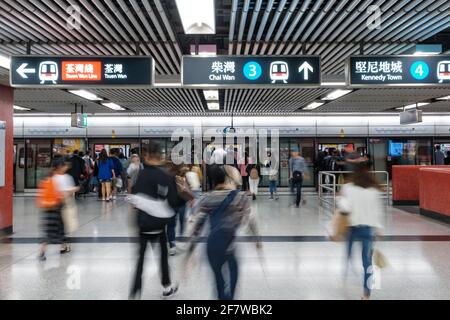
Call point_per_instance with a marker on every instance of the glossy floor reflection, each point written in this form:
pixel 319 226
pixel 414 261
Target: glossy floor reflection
pixel 291 268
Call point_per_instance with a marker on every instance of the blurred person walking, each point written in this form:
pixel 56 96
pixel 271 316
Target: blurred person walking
pixel 155 197
pixel 184 196
pixel 360 199
pixel 117 182
pixel 194 183
pixel 105 174
pixel 297 169
pixel 254 173
pixel 133 170
pixel 124 176
pixel 244 173
pixel 226 209
pixel 51 199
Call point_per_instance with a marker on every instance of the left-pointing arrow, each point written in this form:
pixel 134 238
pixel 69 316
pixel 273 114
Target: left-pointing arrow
pixel 22 70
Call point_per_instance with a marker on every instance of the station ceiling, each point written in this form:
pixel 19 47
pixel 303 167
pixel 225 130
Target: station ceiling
pixel 333 29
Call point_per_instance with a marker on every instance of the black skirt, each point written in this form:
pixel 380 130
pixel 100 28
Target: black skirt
pixel 53 226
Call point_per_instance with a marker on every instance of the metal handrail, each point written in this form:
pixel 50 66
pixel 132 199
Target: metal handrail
pixel 333 186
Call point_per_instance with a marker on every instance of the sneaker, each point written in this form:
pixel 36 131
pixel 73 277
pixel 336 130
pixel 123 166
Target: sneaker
pixel 173 251
pixel 169 292
pixel 254 197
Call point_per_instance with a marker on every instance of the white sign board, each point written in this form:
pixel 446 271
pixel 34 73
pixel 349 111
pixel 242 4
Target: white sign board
pixel 2 152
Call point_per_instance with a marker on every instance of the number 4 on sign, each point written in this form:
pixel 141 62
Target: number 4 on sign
pixel 305 67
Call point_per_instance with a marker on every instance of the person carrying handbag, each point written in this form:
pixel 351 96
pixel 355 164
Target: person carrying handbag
pixel 360 200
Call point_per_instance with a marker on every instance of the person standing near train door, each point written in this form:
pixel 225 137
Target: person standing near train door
pixel 297 168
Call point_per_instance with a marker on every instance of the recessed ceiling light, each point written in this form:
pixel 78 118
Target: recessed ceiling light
pixel 19 108
pixel 5 62
pixel 333 83
pixel 336 94
pixel 313 105
pixel 198 16
pixel 86 95
pixel 211 95
pixel 113 106
pixel 213 106
pixel 412 106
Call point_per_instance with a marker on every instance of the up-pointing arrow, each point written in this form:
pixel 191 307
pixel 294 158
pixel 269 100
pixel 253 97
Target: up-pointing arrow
pixel 22 71
pixel 304 68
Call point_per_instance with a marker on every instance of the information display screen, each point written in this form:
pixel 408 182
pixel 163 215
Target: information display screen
pixel 79 71
pixel 247 71
pixel 398 70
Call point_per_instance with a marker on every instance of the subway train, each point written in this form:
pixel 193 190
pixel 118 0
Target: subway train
pixel 380 136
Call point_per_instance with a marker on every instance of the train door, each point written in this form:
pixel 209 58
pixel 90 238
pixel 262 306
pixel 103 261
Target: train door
pixel 19 167
pixel 38 155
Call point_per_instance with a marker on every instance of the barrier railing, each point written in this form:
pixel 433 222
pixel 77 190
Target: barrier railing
pixel 329 186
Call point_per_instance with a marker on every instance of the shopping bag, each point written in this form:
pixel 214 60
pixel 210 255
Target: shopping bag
pixel 70 215
pixel 379 259
pixel 340 224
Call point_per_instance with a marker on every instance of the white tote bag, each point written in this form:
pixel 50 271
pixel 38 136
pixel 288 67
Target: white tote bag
pixel 70 215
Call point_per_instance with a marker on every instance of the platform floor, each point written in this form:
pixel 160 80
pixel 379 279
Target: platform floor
pixel 298 260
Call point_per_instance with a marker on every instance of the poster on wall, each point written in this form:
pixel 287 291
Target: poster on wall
pixel 69 145
pixel 2 152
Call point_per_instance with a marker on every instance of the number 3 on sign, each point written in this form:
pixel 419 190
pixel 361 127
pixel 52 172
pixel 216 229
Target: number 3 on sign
pixel 419 70
pixel 252 70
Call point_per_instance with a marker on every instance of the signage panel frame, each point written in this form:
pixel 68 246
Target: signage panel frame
pixel 251 86
pixel 398 85
pixel 85 85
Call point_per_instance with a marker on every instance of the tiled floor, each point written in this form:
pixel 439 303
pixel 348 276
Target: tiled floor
pixel 289 268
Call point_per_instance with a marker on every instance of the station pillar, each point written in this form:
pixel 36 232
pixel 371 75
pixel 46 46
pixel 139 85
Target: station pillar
pixel 7 159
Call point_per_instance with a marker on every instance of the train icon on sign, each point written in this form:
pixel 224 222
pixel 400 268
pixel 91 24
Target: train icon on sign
pixel 443 71
pixel 48 71
pixel 279 71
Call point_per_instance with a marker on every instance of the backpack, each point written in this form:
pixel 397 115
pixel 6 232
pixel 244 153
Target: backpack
pixel 48 196
pixel 254 173
pixel 297 176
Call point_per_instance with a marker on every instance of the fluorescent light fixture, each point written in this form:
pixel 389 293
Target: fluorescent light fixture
pixel 443 98
pixel 113 106
pixel 19 108
pixel 86 95
pixel 427 49
pixel 423 53
pixel 412 106
pixel 5 62
pixel 336 94
pixel 211 95
pixel 213 106
pixel 313 105
pixel 333 83
pixel 198 16
pixel 167 84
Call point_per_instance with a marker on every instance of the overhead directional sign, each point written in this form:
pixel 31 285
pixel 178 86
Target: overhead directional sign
pixel 400 70
pixel 81 71
pixel 251 71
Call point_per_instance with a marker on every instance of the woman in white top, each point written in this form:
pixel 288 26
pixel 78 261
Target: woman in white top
pixel 360 199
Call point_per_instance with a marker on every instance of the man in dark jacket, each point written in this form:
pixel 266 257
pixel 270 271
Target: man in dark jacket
pixel 153 182
pixel 76 168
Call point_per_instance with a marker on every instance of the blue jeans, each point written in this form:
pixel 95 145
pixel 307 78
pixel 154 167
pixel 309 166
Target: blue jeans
pixel 272 187
pixel 172 225
pixel 218 255
pixel 364 234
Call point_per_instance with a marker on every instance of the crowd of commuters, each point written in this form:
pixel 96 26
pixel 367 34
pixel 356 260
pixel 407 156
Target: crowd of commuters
pixel 166 196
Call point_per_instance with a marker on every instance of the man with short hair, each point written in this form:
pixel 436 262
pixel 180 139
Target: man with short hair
pixel 297 168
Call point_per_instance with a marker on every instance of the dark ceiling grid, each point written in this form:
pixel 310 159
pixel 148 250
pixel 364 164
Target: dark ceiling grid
pixel 331 28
